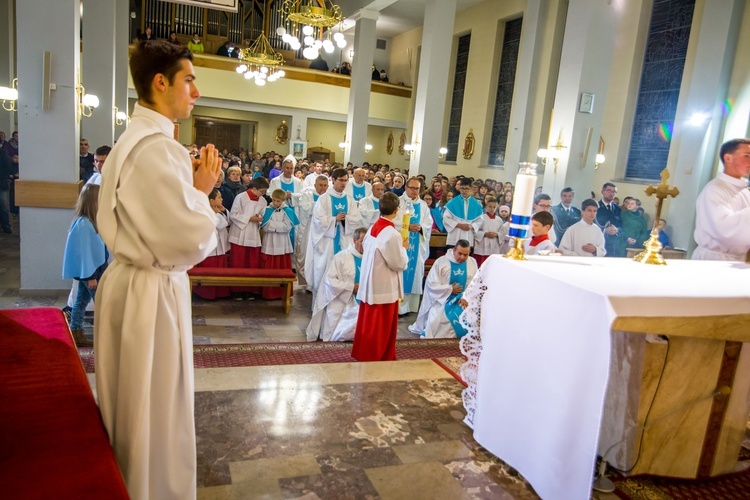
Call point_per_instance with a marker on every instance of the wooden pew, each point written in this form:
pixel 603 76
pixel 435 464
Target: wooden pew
pixel 229 276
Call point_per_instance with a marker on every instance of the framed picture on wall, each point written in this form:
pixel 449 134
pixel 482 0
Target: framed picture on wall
pixel 298 149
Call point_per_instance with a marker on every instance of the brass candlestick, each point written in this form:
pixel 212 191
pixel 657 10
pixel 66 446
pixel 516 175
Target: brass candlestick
pixel 652 253
pixel 518 250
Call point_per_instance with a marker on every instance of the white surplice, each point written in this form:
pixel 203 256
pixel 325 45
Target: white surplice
pixel 580 234
pixel 305 203
pixel 368 210
pixel 490 246
pixel 320 243
pixel 157 225
pixel 309 182
pixel 546 247
pixel 722 220
pixel 384 257
pixel 222 233
pixel 413 290
pixel 276 239
pixel 431 319
pixel 242 231
pixel 335 311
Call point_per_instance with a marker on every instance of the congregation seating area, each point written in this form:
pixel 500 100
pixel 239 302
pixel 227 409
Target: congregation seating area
pixel 228 276
pixel 54 444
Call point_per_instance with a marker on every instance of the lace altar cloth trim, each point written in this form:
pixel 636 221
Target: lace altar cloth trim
pixel 471 344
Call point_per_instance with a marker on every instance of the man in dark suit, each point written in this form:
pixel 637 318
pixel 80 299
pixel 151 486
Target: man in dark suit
pixel 609 219
pixel 565 213
pixel 86 161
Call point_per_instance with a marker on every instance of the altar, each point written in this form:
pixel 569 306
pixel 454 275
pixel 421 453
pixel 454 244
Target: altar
pixel 566 361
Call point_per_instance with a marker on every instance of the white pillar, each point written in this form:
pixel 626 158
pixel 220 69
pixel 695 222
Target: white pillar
pixel 53 27
pixel 7 61
pixel 585 63
pixel 122 40
pixel 693 153
pixel 98 70
pixel 434 65
pixel 359 88
pixel 527 72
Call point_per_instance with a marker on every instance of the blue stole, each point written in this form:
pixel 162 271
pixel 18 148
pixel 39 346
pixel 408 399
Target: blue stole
pixel 289 188
pixel 289 211
pixel 452 308
pixel 456 207
pixel 316 196
pixel 376 204
pixel 357 266
pixel 358 192
pixel 338 205
pixel 437 217
pixel 413 250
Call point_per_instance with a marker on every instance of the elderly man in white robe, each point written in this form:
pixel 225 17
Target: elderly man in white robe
pixel 722 212
pixel 335 311
pixel 334 219
pixel 305 203
pixel 420 229
pixel 369 206
pixel 357 187
pixel 287 181
pixel 443 300
pixel 142 330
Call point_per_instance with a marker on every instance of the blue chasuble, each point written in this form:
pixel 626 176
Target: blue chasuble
pixel 413 250
pixel 338 205
pixel 456 207
pixel 452 308
pixel 357 266
pixel 358 192
pixel 437 217
pixel 289 188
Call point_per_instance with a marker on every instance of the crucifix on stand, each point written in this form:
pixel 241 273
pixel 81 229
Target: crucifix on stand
pixel 652 253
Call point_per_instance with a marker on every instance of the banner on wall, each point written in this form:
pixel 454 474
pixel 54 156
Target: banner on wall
pixel 228 5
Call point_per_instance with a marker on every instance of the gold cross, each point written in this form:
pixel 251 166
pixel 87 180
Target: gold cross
pixel 662 190
pixel 652 252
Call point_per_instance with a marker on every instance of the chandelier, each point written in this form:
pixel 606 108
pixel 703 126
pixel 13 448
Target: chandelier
pixel 311 14
pixel 260 62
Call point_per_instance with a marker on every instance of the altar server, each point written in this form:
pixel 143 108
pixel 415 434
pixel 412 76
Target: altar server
pixel 220 256
pixel 380 286
pixel 155 218
pixel 336 308
pixel 420 229
pixel 305 203
pixel 584 238
pixel 278 223
pixel 316 169
pixel 357 187
pixel 244 233
pixel 491 237
pixel 540 242
pixel 334 219
pixel 287 181
pixel 722 212
pixel 463 215
pixel 369 205
pixel 443 300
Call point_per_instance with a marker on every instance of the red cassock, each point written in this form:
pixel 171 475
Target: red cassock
pixel 213 292
pixel 283 261
pixel 243 257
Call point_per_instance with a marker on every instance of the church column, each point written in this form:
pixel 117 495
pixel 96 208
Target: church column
pixel 434 65
pixel 122 40
pixel 693 152
pixel 581 95
pixel 98 70
pixel 7 62
pixel 48 136
pixel 527 71
pixel 359 87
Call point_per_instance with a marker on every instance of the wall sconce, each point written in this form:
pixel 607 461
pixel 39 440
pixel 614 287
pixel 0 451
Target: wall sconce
pixel 120 116
pixel 351 53
pixel 442 152
pixel 86 102
pixel 343 145
pixel 599 159
pixel 10 94
pixel 368 148
pixel 554 152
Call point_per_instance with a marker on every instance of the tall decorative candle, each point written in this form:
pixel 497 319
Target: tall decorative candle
pixel 523 200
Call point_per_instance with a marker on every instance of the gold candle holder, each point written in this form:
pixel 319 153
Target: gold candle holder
pixel 518 251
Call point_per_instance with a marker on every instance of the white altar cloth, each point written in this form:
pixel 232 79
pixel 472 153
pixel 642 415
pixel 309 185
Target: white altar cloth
pixel 539 360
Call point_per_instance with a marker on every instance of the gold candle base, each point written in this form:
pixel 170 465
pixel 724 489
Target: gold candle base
pixel 652 253
pixel 518 252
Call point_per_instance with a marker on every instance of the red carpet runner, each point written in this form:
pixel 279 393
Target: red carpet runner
pixel 297 353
